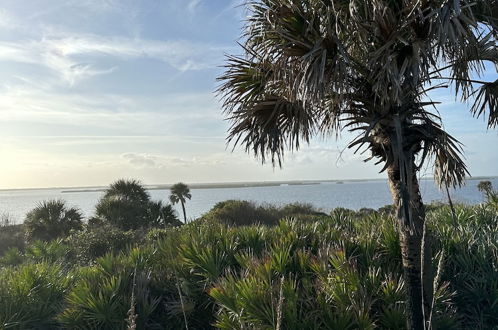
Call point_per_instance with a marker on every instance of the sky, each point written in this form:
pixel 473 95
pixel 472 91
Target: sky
pixel 96 90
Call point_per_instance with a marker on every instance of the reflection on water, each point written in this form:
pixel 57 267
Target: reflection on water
pixel 325 196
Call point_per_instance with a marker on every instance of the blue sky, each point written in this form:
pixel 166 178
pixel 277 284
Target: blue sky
pixel 96 90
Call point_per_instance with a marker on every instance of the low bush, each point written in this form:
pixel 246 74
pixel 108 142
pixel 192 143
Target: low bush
pixel 245 213
pixel 240 213
pixel 96 241
pixel 11 236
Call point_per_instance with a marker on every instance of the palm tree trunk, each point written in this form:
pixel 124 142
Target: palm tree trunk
pixel 417 265
pixel 184 214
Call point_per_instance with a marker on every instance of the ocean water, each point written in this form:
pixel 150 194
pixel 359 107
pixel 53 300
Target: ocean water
pixel 324 196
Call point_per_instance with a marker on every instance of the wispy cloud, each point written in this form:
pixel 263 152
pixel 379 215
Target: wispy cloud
pixel 144 160
pixel 192 5
pixel 76 57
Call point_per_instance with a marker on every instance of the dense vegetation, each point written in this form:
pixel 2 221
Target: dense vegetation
pixel 308 270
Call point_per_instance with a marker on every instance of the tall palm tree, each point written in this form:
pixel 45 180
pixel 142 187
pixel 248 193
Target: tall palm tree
pixel 316 67
pixel 180 192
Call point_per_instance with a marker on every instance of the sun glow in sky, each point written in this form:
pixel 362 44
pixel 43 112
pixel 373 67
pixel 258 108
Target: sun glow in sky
pixel 96 90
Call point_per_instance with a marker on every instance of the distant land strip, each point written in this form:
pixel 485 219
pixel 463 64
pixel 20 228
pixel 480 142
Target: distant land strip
pixel 231 184
pixel 227 185
pixel 214 185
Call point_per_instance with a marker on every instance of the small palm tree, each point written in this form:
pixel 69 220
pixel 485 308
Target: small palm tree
pixel 52 219
pixel 485 187
pixel 180 192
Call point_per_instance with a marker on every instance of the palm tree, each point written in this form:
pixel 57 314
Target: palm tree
pixel 127 205
pixel 180 192
pixel 485 187
pixel 130 190
pixel 52 219
pixel 124 205
pixel 317 67
pixel 162 215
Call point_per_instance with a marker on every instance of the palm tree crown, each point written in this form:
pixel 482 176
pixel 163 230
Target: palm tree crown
pixel 130 190
pixel 316 67
pixel 180 192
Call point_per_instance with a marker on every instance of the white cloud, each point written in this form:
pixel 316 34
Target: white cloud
pixel 63 54
pixel 140 160
pixel 159 161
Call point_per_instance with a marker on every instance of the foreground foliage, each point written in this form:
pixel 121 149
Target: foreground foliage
pixel 337 271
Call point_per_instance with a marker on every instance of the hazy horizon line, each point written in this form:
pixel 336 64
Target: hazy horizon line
pixel 207 184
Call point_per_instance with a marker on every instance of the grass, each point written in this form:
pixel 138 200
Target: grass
pixel 307 271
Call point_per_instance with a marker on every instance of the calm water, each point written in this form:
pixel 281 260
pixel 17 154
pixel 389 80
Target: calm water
pixel 325 196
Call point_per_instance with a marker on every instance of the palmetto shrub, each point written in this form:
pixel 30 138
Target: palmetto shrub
pixel 32 295
pixel 100 297
pixel 52 219
pixel 338 272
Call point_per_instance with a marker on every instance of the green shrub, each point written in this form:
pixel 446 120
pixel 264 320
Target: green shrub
pixel 240 213
pixel 52 219
pixel 32 295
pixel 12 257
pixel 96 241
pixel 295 209
pixel 11 236
pixel 245 213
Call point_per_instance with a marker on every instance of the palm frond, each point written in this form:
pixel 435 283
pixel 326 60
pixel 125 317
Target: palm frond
pixel 270 125
pixel 449 166
pixel 487 99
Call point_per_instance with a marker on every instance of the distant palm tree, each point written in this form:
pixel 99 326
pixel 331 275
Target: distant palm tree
pixel 52 219
pixel 180 192
pixel 316 67
pixel 127 205
pixel 130 190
